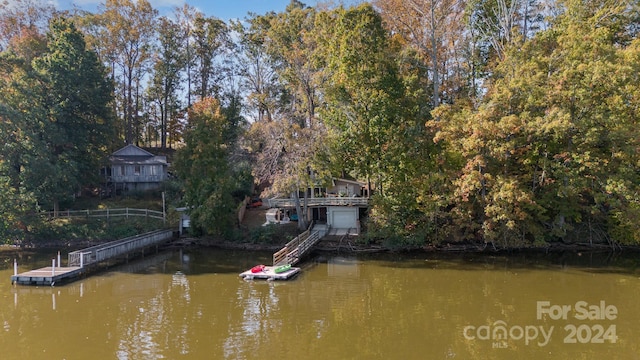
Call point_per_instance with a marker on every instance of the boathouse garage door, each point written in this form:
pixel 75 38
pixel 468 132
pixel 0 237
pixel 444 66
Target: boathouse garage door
pixel 343 217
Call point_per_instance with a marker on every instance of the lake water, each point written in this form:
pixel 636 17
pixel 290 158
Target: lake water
pixel 192 304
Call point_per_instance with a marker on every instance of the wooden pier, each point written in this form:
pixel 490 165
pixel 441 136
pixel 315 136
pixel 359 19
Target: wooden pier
pixel 83 261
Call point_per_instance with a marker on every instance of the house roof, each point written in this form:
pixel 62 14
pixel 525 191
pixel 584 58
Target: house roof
pixel 132 154
pixel 132 150
pixel 355 182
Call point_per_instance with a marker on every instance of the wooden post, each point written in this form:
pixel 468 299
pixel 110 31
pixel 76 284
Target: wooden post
pixel 164 211
pixel 59 259
pixel 15 267
pixel 53 267
pixel 81 259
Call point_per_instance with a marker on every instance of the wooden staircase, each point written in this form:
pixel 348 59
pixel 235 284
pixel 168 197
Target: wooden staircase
pixel 295 249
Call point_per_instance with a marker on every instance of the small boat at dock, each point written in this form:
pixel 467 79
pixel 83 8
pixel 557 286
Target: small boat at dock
pixel 282 272
pixel 282 268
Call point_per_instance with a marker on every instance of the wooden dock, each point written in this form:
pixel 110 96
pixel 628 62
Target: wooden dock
pixel 48 276
pixel 290 254
pixel 269 274
pixel 83 261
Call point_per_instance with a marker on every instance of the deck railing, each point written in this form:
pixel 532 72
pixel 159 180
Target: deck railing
pixel 114 249
pixel 324 201
pixel 296 248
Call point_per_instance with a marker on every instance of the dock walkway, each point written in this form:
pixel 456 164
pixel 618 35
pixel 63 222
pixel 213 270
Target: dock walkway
pixel 118 248
pixel 80 262
pixel 290 254
pixel 47 275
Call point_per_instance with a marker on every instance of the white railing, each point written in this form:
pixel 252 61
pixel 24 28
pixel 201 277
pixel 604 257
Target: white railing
pixel 113 249
pixel 106 213
pixel 325 201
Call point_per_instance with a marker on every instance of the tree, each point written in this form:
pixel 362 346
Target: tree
pixel 127 34
pixel 60 101
pixel 185 18
pixel 76 97
pixel 363 93
pixel 203 166
pixel 259 77
pixel 168 65
pixel 550 153
pixel 292 43
pixel 210 36
pixel 285 91
pixel 429 26
pixel 20 16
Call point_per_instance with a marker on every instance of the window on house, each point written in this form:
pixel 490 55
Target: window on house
pixel 122 170
pixel 136 170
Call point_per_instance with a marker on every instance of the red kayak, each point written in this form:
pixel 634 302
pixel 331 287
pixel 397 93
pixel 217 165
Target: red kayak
pixel 257 269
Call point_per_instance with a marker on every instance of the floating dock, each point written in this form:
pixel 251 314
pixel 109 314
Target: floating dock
pixel 269 274
pixel 48 276
pixel 87 260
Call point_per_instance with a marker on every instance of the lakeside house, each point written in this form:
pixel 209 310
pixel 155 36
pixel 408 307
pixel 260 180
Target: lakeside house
pixel 339 206
pixel 134 169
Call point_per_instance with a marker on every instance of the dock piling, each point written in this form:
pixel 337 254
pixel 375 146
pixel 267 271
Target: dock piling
pixel 15 267
pixel 53 267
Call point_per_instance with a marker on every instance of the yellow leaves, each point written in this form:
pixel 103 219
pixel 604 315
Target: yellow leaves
pixel 207 107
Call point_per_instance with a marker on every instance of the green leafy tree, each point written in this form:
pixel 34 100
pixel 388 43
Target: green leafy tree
pixel 203 166
pixel 58 119
pixel 364 93
pixel 74 96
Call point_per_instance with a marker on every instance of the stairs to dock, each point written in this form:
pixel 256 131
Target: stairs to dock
pixel 295 249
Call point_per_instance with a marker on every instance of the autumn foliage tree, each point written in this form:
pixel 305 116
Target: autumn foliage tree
pixel 551 153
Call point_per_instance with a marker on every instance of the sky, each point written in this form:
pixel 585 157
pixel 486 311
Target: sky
pixel 222 9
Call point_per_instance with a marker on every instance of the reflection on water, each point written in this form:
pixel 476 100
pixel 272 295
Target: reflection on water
pixel 193 305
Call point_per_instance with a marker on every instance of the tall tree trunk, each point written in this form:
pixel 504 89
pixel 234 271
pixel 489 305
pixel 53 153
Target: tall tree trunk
pixel 302 219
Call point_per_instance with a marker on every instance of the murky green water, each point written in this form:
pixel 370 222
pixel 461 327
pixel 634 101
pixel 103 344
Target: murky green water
pixel 193 305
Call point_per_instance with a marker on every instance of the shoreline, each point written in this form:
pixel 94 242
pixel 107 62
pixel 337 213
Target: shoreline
pixel 335 244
